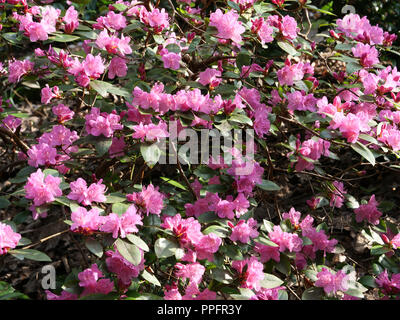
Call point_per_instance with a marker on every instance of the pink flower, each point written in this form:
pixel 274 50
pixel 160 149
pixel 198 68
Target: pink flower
pixel 396 241
pixel 337 196
pixel 285 240
pixel 113 44
pixel 192 292
pixel 117 68
pixel 42 190
pixel 65 295
pixel 149 199
pixel 228 25
pixel 252 276
pixel 156 19
pixel 91 280
pixel 368 55
pixel 267 294
pixel 11 123
pixel 263 30
pixel 124 270
pixel 350 126
pixel 171 60
pixel 287 26
pixel 117 147
pixel 19 68
pixel 86 195
pixel 267 252
pixel 300 101
pixel 368 212
pixel 312 149
pixel 60 136
pixel 207 246
pixel 194 272
pixel 8 238
pixel 71 20
pixel 389 286
pixel 117 21
pixel 319 239
pixel 63 113
pixel 49 93
pixel 187 231
pixel 42 154
pixel 244 230
pixel 224 209
pixel 150 132
pixel 210 76
pixel 102 123
pixel 290 73
pixel 332 282
pixel 122 225
pixel 93 66
pixel 85 222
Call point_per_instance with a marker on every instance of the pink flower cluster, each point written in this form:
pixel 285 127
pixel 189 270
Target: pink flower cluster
pixel 368 212
pixel 87 222
pixel 42 189
pixel 252 276
pixel 124 270
pixel 85 195
pixel 228 25
pixel 361 30
pixel 91 280
pixel 8 238
pixel 332 282
pixel 149 200
pixel 18 68
pixel 92 67
pixel 291 73
pixel 187 231
pixel 102 123
pixel 312 149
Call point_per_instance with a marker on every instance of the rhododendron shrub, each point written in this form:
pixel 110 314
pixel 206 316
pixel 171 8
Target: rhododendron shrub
pixel 105 128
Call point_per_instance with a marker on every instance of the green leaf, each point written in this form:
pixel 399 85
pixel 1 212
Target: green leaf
pixel 138 242
pixel 364 152
pixel 270 281
pixel 150 278
pixel 268 185
pixel 217 230
pixel 313 294
pixel 150 153
pixel 288 48
pixel 204 172
pixel 4 203
pixel 30 254
pixel 129 251
pixel 103 88
pixel 172 47
pixel 120 208
pixel 352 67
pixel 165 248
pixel 221 275
pixel 115 198
pixel 64 38
pixel 368 281
pixel 174 183
pixel 243 59
pixel 94 247
pixel 378 250
pixel 265 241
pixel 240 118
pixel 283 265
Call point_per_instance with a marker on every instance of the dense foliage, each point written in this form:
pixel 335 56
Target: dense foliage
pixel 107 115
